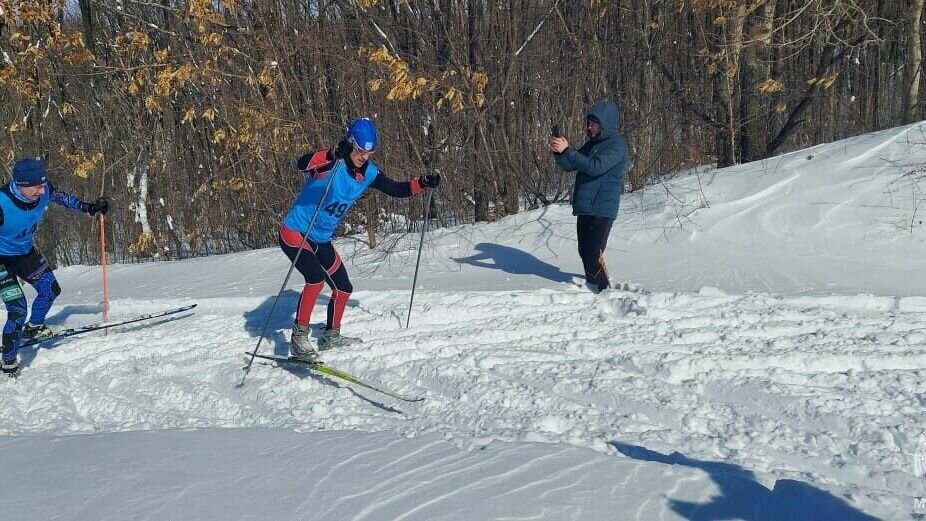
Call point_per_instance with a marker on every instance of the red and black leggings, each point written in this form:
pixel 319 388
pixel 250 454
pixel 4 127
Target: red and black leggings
pixel 318 263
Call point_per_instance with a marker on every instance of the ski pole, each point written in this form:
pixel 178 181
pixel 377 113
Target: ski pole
pixel 424 228
pixel 105 303
pixel 305 239
pixel 103 265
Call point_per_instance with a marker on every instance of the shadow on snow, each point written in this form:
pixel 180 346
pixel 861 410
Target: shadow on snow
pixel 743 497
pixel 515 261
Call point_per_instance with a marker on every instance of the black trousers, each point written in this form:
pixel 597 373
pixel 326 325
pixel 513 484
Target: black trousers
pixel 592 233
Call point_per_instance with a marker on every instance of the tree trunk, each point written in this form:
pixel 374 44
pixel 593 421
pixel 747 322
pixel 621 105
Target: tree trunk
pixel 86 17
pixel 755 110
pixel 914 63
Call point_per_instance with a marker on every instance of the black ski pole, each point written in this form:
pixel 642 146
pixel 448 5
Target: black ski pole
pixel 424 228
pixel 305 239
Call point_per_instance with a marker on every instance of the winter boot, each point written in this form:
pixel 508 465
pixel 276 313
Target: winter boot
pixel 332 338
pixel 36 331
pixel 631 287
pixel 10 367
pixel 300 345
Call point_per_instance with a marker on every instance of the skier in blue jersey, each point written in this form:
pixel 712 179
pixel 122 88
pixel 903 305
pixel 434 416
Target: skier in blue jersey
pixel 345 171
pixel 23 202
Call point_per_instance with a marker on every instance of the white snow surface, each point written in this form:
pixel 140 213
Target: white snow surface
pixel 766 361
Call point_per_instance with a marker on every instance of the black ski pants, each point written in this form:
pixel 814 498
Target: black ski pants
pixel 592 233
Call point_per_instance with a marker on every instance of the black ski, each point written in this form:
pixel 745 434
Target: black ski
pixel 327 370
pixel 79 330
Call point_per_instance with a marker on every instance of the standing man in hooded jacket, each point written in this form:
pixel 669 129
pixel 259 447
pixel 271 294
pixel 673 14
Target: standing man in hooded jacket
pixel 599 165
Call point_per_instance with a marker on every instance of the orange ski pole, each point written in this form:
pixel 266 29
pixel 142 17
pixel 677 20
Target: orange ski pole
pixel 103 264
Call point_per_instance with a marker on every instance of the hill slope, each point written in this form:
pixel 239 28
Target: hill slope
pixel 773 370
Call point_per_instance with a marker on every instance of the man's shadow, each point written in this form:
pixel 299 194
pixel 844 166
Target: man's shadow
pixel 68 311
pixel 743 497
pixel 277 325
pixel 515 261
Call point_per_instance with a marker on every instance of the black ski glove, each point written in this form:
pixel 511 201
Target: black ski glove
pixel 430 180
pixel 342 150
pixel 100 206
pixel 303 162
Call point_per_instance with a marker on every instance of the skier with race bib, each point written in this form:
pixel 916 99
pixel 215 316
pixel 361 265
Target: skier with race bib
pixel 340 175
pixel 23 202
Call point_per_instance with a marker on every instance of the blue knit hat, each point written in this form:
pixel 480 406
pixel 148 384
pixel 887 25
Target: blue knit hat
pixel 29 172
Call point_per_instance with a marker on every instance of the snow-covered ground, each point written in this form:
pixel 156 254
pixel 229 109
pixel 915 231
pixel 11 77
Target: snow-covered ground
pixel 771 366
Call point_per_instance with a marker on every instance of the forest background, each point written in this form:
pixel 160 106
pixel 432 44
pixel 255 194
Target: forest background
pixel 189 115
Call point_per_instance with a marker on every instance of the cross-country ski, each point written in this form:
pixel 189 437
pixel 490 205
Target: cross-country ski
pixel 79 330
pixel 326 370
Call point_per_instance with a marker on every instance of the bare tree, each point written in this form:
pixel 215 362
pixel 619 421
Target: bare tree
pixel 914 65
pixel 190 113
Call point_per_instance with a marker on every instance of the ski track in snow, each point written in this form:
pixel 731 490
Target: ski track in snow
pixel 820 389
pixel 380 478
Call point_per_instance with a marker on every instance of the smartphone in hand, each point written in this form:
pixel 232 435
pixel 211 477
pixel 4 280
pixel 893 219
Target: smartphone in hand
pixel 554 131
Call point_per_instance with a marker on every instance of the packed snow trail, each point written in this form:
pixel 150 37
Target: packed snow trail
pixel 786 387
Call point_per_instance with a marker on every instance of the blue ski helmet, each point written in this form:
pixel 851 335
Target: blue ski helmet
pixel 362 134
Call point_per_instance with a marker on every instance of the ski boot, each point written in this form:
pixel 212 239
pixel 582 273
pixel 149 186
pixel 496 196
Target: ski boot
pixel 332 338
pixel 300 345
pixel 36 331
pixel 10 368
